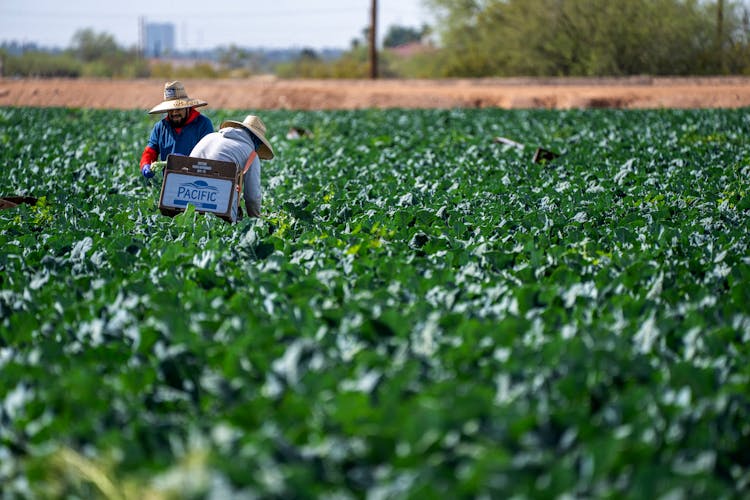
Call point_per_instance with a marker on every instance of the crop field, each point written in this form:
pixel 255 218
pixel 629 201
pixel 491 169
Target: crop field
pixel 421 312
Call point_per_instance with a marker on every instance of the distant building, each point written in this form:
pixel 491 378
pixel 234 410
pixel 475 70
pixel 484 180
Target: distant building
pixel 158 39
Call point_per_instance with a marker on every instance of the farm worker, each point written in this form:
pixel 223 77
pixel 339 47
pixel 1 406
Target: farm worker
pixel 179 131
pixel 245 144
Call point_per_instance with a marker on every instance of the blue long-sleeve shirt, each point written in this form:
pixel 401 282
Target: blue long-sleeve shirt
pixel 165 139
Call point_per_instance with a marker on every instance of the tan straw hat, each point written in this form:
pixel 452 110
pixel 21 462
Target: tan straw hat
pixel 255 125
pixel 175 97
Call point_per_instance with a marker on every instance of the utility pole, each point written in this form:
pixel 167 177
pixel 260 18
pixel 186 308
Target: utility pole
pixel 373 39
pixel 720 33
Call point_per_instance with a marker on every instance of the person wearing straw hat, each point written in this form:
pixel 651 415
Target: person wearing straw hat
pixel 179 131
pixel 245 144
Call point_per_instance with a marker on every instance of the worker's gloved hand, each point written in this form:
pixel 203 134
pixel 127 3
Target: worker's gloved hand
pixel 147 172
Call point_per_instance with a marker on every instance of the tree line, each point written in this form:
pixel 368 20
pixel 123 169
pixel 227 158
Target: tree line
pixel 90 54
pixel 592 37
pixel 472 38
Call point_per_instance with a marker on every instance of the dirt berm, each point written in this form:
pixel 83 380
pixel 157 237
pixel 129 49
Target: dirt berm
pixel 273 93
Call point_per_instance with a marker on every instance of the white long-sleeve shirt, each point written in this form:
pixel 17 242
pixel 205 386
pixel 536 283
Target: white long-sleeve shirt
pixel 235 145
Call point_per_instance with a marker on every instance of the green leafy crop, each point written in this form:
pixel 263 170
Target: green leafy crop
pixel 420 311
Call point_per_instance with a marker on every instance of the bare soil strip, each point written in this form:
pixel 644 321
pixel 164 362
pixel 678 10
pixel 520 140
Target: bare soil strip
pixel 271 93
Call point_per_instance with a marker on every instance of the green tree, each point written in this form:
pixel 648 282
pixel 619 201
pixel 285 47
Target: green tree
pixel 731 52
pixel 580 37
pixel 400 35
pixel 102 57
pixel 90 46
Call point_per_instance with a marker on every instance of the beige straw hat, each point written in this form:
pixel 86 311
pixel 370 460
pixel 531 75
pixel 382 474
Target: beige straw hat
pixel 175 97
pixel 255 125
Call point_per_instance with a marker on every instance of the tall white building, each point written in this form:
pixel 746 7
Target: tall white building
pixel 158 39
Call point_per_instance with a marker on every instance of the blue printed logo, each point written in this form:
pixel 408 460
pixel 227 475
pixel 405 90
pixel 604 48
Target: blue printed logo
pixel 198 193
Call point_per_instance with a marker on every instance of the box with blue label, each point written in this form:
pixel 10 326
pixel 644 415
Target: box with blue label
pixel 211 186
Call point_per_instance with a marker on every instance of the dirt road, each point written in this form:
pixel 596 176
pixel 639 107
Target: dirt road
pixel 272 93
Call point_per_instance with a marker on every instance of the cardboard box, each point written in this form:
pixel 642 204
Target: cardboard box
pixel 209 185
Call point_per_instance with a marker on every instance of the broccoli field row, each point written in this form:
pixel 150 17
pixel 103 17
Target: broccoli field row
pixel 422 310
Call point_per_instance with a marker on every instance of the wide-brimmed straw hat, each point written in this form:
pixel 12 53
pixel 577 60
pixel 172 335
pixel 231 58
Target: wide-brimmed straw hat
pixel 255 125
pixel 175 97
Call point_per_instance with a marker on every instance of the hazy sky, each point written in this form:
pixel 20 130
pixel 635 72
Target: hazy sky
pixel 207 24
